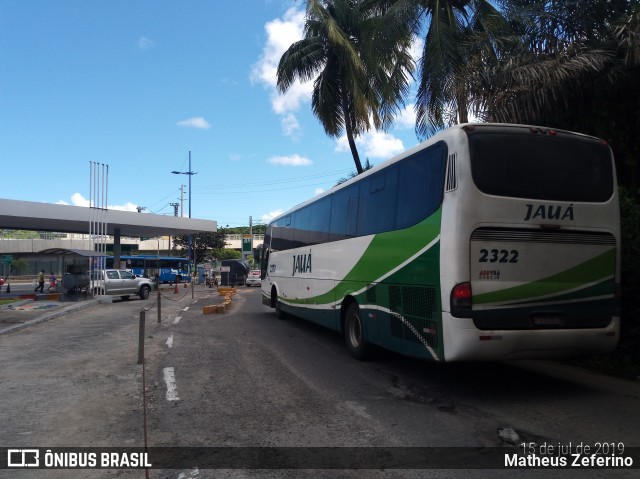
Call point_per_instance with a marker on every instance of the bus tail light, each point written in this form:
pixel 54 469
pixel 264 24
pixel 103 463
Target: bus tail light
pixel 461 300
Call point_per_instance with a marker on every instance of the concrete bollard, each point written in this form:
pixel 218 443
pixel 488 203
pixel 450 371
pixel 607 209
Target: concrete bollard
pixel 141 337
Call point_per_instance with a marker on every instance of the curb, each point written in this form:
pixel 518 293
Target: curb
pixel 48 316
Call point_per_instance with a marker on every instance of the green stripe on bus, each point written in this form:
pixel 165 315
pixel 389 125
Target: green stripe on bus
pixel 587 293
pixel 386 252
pixel 594 270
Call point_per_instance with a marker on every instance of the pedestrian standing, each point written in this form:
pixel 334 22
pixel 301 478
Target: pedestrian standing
pixel 40 282
pixel 53 281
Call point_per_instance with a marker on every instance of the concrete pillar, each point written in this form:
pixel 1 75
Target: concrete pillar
pixel 116 247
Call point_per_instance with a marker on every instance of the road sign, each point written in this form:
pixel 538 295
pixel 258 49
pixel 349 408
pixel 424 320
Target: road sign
pixel 7 258
pixel 247 243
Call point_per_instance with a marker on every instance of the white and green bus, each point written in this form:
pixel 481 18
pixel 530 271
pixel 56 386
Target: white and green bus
pixel 486 242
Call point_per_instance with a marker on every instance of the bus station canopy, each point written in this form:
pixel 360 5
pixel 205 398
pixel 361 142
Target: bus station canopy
pixel 33 216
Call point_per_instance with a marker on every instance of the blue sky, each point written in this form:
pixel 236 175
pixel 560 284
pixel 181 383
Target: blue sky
pixel 137 84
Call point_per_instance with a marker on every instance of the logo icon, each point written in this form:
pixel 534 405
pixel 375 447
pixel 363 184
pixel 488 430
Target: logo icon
pixel 23 458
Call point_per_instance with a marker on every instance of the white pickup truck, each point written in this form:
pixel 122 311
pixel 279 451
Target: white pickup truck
pixel 120 282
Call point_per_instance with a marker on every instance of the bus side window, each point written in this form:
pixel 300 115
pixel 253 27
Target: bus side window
pixel 344 212
pixel 378 199
pixel 422 180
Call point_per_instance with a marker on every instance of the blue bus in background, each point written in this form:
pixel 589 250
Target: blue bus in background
pixel 169 269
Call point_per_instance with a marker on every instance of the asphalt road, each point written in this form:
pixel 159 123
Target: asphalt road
pixel 246 379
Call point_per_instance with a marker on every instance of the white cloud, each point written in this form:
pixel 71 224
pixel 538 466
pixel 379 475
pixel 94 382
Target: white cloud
pixel 406 119
pixel 145 43
pixel 195 122
pixel 416 48
pixel 297 94
pixel 78 200
pixel 128 206
pixel 290 124
pixel 281 33
pixel 373 144
pixel 382 145
pixel 317 191
pixel 291 160
pixel 267 217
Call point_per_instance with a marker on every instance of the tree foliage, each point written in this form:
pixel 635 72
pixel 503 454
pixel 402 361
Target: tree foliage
pixel 19 234
pixel 225 253
pixel 450 30
pixel 572 65
pixel 201 244
pixel 257 229
pixel 359 79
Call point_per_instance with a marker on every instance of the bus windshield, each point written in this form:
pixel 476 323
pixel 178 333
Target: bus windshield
pixel 525 164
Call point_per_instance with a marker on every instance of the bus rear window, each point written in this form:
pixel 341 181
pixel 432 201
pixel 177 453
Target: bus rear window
pixel 562 167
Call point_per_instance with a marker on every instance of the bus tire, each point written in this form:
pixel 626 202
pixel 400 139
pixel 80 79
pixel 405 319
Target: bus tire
pixel 277 305
pixel 279 313
pixel 144 292
pixel 178 278
pixel 354 333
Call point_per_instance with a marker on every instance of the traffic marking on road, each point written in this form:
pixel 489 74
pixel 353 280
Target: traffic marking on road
pixel 170 381
pixel 193 474
pixel 170 341
pixel 186 309
pixel 177 320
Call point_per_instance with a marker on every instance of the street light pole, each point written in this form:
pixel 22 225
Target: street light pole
pixel 190 173
pixel 190 250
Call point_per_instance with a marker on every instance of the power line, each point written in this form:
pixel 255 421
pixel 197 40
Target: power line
pixel 160 200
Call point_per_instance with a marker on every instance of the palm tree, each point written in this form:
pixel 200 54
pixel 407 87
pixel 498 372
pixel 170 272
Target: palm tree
pixel 576 66
pixel 452 32
pixel 356 86
pixel 558 55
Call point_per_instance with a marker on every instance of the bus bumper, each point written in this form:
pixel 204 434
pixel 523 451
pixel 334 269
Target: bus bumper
pixel 464 342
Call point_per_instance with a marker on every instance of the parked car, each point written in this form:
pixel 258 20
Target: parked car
pixel 120 282
pixel 253 279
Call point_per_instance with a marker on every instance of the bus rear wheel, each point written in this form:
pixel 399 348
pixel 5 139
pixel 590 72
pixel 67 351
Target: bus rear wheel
pixel 277 305
pixel 354 333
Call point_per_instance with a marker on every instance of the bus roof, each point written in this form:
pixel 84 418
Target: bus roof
pixel 431 141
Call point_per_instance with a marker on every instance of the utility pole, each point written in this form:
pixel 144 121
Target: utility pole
pixel 247 241
pixel 182 200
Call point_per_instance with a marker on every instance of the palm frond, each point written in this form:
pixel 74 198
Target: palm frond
pixel 524 90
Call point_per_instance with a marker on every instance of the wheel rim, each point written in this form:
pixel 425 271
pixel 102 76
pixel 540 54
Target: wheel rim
pixel 355 331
